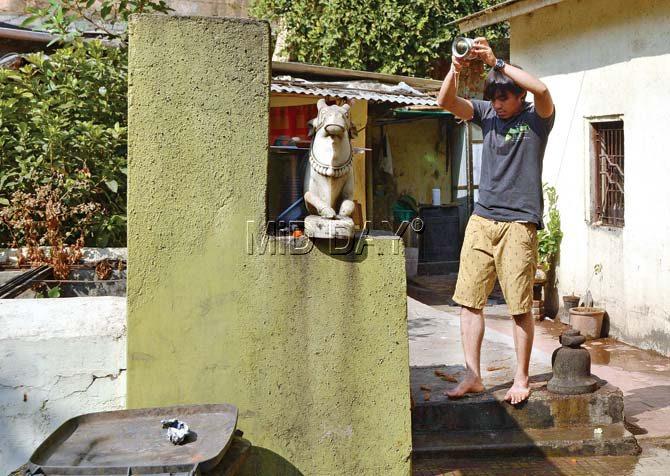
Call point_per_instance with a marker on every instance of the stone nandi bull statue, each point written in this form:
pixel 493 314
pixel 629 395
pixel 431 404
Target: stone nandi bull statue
pixel 329 180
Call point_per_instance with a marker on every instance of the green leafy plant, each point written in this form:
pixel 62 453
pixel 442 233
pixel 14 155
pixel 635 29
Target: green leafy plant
pixel 68 19
pixel 49 293
pixel 549 239
pixel 588 298
pixel 63 121
pixel 597 271
pixel 407 37
pixel 62 124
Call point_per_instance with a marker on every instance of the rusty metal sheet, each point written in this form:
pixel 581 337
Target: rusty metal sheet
pixel 134 442
pixel 369 91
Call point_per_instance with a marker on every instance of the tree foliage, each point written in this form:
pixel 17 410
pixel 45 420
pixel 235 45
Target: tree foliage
pixel 68 19
pixel 63 124
pixel 63 121
pixel 389 36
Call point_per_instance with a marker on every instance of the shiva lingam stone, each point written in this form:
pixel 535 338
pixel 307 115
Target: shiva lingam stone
pixel 571 364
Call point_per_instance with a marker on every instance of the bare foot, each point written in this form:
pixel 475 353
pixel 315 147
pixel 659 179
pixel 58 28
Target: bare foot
pixel 519 392
pixel 470 384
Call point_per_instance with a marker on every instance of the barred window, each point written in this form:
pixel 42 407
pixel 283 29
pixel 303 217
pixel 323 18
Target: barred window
pixel 607 157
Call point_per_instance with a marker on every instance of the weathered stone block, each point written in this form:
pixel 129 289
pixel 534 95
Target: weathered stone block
pixel 488 411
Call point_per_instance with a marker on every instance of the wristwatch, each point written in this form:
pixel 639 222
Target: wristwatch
pixel 500 64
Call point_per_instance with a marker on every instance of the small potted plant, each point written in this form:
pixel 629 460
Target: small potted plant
pixel 549 239
pixel 587 319
pixel 549 245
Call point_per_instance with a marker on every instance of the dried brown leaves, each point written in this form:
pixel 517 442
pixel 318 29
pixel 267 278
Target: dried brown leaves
pixel 38 219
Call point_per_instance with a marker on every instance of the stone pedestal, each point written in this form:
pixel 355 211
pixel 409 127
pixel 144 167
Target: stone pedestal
pixel 485 425
pixel 320 227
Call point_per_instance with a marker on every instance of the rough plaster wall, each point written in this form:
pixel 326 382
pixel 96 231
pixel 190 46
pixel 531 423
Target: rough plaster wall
pixel 211 8
pixel 419 165
pixel 605 57
pixel 229 8
pixel 19 6
pixel 420 159
pixel 311 348
pixel 58 358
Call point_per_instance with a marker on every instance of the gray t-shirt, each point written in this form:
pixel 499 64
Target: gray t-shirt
pixel 510 185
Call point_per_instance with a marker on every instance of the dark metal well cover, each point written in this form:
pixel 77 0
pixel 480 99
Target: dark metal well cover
pixel 133 442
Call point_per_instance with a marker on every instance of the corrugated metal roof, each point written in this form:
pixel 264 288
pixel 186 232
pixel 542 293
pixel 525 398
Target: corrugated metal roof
pixel 14 32
pixel 304 70
pixel 373 91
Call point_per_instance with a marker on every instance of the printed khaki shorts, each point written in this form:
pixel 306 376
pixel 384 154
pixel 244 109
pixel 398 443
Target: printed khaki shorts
pixel 505 249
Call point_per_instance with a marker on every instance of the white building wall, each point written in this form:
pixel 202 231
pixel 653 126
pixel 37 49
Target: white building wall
pixel 58 358
pixel 222 8
pixel 609 57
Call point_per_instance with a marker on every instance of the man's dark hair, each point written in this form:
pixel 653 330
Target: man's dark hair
pixel 497 82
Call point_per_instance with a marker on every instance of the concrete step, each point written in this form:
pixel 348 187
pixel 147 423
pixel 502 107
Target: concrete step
pixel 607 440
pixel 489 412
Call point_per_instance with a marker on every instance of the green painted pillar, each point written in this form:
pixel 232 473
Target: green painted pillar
pixel 312 347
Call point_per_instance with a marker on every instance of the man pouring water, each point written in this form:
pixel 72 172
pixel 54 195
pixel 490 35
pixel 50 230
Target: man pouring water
pixel 501 235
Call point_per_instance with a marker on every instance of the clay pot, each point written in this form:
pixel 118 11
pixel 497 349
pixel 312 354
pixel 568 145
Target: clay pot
pixel 540 275
pixel 587 320
pixel 568 303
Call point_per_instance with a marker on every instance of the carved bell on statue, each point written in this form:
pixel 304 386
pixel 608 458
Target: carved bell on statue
pixel 571 365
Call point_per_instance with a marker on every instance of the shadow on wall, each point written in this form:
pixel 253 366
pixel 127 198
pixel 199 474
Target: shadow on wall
pixel 580 36
pixel 356 249
pixel 351 250
pixel 264 461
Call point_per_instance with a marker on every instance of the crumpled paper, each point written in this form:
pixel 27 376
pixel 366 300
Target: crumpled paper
pixel 177 430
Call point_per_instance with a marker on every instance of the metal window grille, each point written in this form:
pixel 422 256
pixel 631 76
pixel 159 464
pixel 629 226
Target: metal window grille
pixel 607 141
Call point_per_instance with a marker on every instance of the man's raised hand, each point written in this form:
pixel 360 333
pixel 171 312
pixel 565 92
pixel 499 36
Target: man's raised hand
pixel 458 63
pixel 484 52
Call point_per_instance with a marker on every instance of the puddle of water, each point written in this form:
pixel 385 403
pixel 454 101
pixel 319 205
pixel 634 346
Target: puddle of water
pixel 599 356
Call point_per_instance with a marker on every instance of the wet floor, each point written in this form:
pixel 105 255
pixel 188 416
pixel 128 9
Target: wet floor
pixel 609 351
pixel 643 377
pixel 654 461
pixel 434 339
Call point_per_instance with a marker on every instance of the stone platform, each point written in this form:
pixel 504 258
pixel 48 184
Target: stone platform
pixel 320 227
pixel 611 440
pixel 588 424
